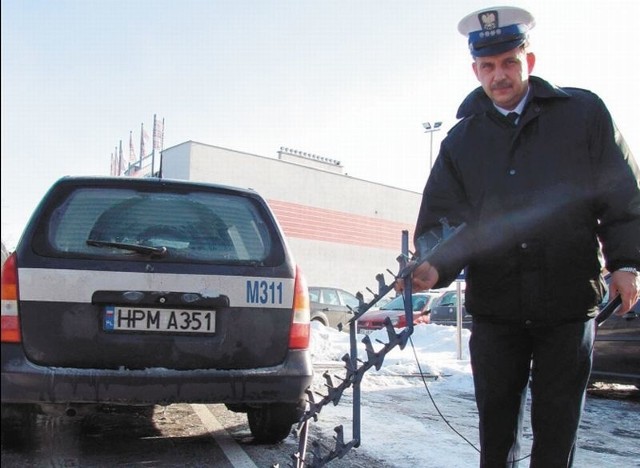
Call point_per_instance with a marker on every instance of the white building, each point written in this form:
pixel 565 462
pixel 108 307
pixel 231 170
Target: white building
pixel 343 231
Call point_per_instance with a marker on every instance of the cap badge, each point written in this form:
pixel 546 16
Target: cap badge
pixel 489 22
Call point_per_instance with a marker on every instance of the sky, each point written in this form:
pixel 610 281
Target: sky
pixel 437 428
pixel 351 81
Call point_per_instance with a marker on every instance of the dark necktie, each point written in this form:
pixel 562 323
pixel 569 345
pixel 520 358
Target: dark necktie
pixel 512 117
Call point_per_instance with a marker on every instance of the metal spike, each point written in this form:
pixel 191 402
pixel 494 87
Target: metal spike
pixel 373 358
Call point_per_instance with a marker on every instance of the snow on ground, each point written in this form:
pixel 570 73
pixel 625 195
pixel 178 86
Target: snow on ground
pixel 408 422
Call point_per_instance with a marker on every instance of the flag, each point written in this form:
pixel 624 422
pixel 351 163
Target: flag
pixel 132 151
pixel 144 136
pixel 116 161
pixel 120 160
pixel 158 137
pixel 158 133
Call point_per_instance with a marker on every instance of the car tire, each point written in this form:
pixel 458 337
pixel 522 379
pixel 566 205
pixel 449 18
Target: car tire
pixel 272 423
pixel 320 319
pixel 18 424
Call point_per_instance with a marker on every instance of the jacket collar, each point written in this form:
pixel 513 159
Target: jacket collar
pixel 477 102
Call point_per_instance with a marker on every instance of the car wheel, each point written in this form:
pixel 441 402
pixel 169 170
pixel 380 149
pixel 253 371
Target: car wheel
pixel 272 423
pixel 18 424
pixel 320 320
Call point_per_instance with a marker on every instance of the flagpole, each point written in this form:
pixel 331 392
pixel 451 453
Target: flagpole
pixel 132 154
pixel 120 160
pixel 153 145
pixel 161 149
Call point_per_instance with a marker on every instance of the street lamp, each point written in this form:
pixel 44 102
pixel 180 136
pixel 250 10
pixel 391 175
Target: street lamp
pixel 429 128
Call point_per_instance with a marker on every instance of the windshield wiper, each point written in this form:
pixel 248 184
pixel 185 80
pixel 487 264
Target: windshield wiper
pixel 143 249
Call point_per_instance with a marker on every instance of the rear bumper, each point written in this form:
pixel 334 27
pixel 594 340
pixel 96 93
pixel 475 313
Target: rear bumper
pixel 24 382
pixel 465 323
pixel 369 327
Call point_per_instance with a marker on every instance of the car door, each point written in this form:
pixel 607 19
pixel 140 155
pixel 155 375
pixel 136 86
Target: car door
pixel 333 307
pixel 350 303
pixel 446 308
pixel 325 306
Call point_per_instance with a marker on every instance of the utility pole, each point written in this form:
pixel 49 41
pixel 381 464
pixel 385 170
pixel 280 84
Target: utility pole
pixel 431 128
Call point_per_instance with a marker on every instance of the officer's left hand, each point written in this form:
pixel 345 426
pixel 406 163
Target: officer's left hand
pixel 626 284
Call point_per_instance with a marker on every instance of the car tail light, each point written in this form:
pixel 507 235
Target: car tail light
pixel 10 320
pixel 301 322
pixel 400 321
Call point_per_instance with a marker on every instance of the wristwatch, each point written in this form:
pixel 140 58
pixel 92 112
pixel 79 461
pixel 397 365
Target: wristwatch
pixel 629 270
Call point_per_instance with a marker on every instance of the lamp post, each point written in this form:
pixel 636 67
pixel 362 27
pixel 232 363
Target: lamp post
pixel 430 128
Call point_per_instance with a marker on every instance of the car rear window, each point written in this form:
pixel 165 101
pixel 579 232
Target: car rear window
pixel 206 226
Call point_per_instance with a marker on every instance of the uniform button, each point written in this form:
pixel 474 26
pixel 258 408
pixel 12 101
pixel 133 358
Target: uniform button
pixel 512 172
pixel 524 245
pixel 527 323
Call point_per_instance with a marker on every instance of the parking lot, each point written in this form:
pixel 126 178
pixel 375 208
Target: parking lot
pixel 190 436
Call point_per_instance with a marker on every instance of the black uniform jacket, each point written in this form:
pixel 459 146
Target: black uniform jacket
pixel 538 199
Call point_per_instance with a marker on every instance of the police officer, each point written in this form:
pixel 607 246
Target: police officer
pixel 545 184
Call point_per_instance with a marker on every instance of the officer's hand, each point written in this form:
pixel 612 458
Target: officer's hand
pixel 425 276
pixel 627 285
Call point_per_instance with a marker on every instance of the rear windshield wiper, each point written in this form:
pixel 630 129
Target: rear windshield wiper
pixel 143 249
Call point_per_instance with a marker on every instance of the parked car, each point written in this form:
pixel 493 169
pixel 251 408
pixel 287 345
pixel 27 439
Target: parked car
pixel 142 292
pixel 333 307
pixel 616 351
pixel 394 310
pixel 445 309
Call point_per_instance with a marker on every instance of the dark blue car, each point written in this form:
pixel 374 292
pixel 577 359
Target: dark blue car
pixel 616 352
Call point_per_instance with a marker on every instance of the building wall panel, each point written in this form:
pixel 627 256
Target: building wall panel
pixel 343 230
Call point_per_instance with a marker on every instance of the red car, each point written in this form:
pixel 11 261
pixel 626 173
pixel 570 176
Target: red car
pixel 394 310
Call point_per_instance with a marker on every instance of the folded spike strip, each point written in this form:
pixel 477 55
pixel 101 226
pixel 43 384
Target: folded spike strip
pixel 353 377
pixel 355 372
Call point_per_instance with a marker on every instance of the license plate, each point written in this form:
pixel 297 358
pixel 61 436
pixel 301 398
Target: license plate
pixel 145 319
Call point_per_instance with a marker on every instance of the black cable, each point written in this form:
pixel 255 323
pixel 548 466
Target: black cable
pixel 426 386
pixel 424 381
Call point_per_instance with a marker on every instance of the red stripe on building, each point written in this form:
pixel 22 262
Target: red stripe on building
pixel 313 223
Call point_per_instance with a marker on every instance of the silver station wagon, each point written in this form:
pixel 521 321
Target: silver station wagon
pixel 143 292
